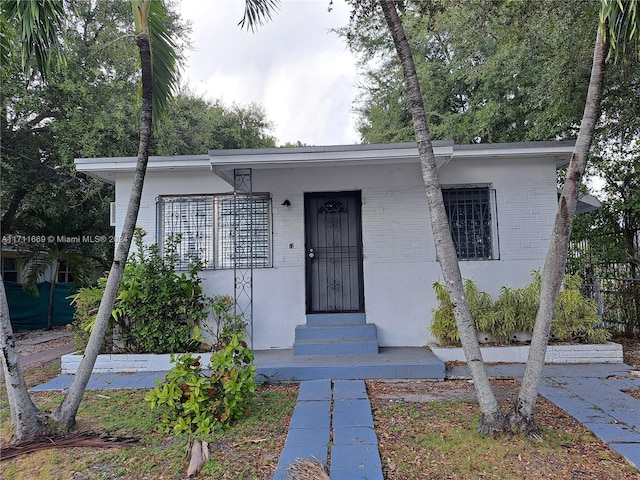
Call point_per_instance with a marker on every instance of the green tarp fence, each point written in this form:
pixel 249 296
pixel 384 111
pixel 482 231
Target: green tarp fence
pixel 28 312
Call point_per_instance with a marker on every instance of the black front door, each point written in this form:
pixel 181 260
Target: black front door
pixel 334 252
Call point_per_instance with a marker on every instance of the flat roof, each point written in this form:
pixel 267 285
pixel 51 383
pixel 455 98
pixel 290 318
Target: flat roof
pixel 223 162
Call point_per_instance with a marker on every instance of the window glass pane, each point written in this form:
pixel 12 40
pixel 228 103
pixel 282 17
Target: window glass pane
pixel 64 274
pixel 191 218
pixel 9 269
pixel 470 221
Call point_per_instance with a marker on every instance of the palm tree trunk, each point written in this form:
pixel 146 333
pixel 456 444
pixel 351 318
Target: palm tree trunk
pixel 554 268
pixel 26 420
pixel 65 414
pixel 493 421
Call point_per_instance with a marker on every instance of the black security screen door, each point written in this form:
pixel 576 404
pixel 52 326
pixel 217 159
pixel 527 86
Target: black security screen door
pixel 334 252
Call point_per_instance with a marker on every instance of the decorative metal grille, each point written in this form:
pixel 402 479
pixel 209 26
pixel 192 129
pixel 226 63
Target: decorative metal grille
pixel 244 231
pixel 191 218
pixel 242 246
pixel 334 256
pixel 472 222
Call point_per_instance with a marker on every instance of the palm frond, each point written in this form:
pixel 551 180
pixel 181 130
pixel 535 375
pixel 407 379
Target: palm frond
pixel 620 21
pixel 34 263
pixel 257 12
pixel 166 60
pixel 41 26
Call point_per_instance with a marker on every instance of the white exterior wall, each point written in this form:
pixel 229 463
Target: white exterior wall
pixel 399 255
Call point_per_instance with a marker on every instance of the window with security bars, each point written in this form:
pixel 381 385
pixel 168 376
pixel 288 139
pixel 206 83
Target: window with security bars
pixel 218 230
pixel 244 231
pixel 473 222
pixel 192 219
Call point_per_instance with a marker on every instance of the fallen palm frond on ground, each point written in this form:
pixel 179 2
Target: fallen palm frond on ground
pixel 79 439
pixel 304 469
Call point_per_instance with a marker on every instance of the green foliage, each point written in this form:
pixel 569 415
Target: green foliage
pixel 575 317
pixel 157 308
pixel 487 72
pixel 86 302
pixel 514 311
pixel 226 324
pixel 444 326
pixel 196 403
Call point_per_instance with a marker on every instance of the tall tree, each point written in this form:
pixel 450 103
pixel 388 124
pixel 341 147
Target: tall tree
pixel 493 421
pixel 39 24
pixel 159 62
pixel 159 80
pixel 522 413
pixel 488 73
pixel 613 32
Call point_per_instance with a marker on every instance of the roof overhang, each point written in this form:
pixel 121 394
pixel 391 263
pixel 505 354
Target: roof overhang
pixel 224 162
pixel 106 168
pixel 587 203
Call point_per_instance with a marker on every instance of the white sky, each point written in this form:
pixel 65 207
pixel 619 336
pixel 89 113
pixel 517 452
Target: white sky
pixel 302 74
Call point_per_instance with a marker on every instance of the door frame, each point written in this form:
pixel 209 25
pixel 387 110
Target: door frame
pixel 357 196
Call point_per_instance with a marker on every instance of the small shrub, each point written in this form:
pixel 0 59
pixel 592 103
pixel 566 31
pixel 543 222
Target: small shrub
pixel 225 323
pixel 575 316
pixel 444 326
pixel 196 403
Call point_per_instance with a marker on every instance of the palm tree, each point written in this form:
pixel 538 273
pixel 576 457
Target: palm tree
pixel 41 23
pixel 38 260
pixel 159 61
pixel 619 23
pixel 493 421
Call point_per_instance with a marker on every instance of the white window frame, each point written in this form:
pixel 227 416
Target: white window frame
pixel 473 203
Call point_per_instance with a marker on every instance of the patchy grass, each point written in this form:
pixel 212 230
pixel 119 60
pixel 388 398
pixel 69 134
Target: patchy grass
pixel 439 439
pixel 249 449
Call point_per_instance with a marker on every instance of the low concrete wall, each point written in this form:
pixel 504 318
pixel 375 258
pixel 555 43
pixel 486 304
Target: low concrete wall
pixel 592 353
pixel 126 362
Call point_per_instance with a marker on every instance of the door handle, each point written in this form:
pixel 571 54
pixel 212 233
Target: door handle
pixel 311 253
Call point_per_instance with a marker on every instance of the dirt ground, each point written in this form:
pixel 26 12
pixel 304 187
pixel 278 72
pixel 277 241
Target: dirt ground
pixel 29 342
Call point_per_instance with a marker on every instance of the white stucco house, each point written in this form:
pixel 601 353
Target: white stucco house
pixel 341 234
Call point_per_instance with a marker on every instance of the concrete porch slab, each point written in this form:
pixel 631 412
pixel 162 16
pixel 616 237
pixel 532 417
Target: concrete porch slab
pixel 390 363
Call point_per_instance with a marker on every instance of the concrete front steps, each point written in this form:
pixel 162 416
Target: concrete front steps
pixel 336 334
pixel 389 363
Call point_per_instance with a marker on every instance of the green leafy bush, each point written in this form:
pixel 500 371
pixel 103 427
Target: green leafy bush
pixel 225 323
pixel 195 402
pixel 156 309
pixel 575 316
pixel 86 302
pixel 444 326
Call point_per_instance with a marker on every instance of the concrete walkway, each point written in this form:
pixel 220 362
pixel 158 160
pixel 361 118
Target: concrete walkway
pixel 333 421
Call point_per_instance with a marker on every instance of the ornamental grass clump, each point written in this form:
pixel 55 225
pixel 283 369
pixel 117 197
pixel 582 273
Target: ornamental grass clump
pixel 575 317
